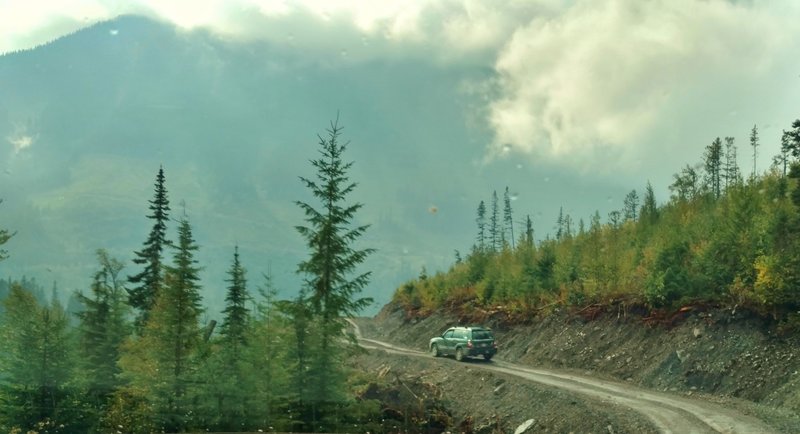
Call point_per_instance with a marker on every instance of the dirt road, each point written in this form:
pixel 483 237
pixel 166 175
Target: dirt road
pixel 669 413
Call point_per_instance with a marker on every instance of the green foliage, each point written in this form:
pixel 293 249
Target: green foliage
pixel 163 362
pixel 721 240
pixel 102 329
pixel 332 283
pixel 150 280
pixel 36 362
pixel 5 235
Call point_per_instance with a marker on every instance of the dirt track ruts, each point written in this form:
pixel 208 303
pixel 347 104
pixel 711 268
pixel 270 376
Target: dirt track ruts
pixel 669 413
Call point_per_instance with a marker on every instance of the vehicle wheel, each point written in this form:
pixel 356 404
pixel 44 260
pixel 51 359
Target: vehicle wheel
pixel 435 350
pixel 488 357
pixel 459 354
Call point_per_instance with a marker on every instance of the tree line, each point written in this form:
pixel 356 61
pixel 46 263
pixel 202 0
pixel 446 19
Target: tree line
pixel 139 359
pixel 723 237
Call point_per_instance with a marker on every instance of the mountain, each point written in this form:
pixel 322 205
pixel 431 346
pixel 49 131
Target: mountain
pixel 86 121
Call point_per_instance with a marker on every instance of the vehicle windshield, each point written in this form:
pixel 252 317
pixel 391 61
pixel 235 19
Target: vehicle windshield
pixel 198 197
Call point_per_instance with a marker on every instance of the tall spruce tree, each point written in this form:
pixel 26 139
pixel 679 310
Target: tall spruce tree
pixel 508 218
pixel 731 170
pixel 713 166
pixel 649 211
pixel 149 281
pixel 331 271
pixel 494 230
pixel 236 315
pixel 228 387
pixel 162 362
pixel 481 222
pixel 631 205
pixel 754 144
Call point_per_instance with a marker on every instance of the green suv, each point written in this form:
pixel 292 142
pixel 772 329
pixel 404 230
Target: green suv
pixel 464 342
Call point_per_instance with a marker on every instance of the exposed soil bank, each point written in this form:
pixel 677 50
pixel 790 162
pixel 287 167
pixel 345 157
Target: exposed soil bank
pixel 726 356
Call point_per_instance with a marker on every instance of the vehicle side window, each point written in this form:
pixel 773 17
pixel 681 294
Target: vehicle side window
pixel 459 334
pixel 449 334
pixel 481 334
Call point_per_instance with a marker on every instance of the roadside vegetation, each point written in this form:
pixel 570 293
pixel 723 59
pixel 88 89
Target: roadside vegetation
pixel 727 236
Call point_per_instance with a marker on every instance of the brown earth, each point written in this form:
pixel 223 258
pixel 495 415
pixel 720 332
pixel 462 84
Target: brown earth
pixel 484 402
pixel 724 356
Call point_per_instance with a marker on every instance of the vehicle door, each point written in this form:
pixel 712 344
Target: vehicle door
pixel 459 339
pixel 448 344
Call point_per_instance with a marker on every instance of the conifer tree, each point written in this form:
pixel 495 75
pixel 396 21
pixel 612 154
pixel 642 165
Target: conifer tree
pixel 5 235
pixel 649 212
pixel 754 144
pixel 494 229
pixel 150 280
pixel 527 236
pixel 713 166
pixel 102 329
pixel 236 314
pixel 508 220
pixel 162 362
pixel 229 391
pixel 481 221
pixel 560 224
pixel 36 360
pixel 330 273
pixel 631 205
pixel 731 172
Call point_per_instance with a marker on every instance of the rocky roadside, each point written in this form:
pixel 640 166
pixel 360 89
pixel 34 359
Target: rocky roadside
pixel 724 356
pixel 459 398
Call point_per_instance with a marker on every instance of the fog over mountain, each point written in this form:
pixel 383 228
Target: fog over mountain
pixel 87 119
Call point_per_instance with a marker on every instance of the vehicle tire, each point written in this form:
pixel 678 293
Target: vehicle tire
pixel 459 354
pixel 435 350
pixel 488 357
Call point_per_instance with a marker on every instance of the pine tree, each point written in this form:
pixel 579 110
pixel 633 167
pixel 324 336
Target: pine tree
pixel 781 161
pixel 508 220
pixel 481 221
pixel 36 361
pixel 731 169
pixel 528 232
pixel 102 329
pixel 162 362
pixel 229 390
pixel 560 224
pixel 494 229
pixel 236 314
pixel 754 144
pixel 649 212
pixel 631 205
pixel 713 166
pixel 333 290
pixel 150 280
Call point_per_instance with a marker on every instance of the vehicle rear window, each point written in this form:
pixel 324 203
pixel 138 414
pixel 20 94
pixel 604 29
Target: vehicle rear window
pixel 481 334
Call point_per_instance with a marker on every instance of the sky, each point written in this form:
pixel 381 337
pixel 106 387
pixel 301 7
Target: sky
pixel 614 87
pixel 570 103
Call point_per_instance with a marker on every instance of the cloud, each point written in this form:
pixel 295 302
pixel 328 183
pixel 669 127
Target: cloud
pixel 20 142
pixel 582 84
pixel 591 86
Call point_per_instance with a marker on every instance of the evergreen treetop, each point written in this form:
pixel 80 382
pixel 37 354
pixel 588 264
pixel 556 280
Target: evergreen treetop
pixel 150 280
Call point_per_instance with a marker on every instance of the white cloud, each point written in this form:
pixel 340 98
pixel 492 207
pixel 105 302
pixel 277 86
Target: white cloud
pixel 20 142
pixel 581 83
pixel 591 86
